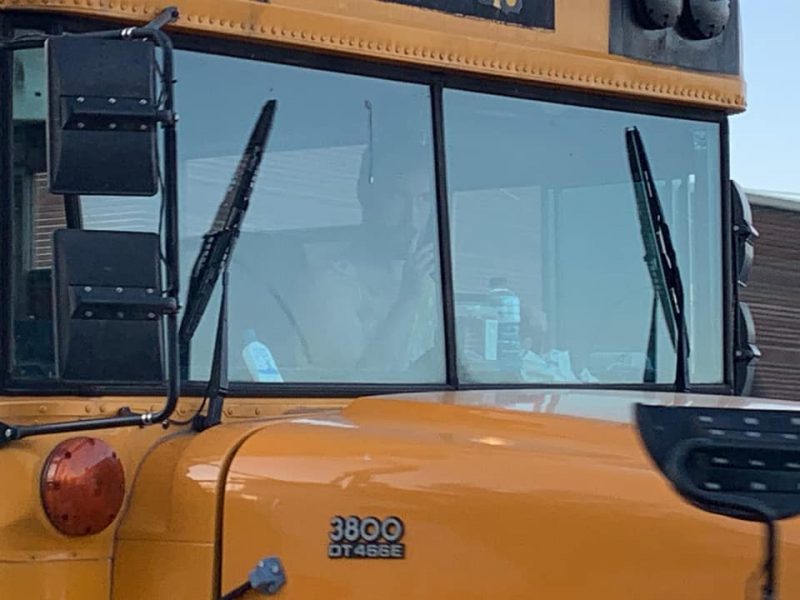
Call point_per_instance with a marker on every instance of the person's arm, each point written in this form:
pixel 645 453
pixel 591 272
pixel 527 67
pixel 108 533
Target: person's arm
pixel 388 344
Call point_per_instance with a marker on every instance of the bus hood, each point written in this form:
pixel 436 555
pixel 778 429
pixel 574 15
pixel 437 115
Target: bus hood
pixel 478 495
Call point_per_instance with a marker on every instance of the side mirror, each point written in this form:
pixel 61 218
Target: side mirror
pixel 113 321
pixel 747 352
pixel 108 306
pixel 744 235
pixel 101 126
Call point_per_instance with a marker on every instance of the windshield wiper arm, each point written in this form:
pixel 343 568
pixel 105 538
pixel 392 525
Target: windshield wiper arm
pixel 218 242
pixel 659 254
pixel 214 259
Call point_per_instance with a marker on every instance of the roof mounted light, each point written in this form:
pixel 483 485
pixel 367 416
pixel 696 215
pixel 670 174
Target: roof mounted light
pixel 658 14
pixel 704 19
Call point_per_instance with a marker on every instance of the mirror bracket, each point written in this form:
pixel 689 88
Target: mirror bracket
pixel 123 303
pixel 165 17
pixel 108 113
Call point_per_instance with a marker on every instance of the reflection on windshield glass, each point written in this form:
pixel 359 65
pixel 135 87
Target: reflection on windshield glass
pixel 547 207
pixel 336 274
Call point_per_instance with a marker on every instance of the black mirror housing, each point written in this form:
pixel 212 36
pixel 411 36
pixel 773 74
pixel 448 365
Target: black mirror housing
pixel 744 233
pixel 101 125
pixel 108 306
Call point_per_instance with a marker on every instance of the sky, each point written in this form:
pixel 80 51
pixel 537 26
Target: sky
pixel 765 140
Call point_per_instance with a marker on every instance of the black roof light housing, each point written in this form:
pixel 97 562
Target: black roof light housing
pixel 701 35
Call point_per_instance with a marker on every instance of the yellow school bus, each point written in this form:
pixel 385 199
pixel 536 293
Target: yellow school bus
pixel 381 298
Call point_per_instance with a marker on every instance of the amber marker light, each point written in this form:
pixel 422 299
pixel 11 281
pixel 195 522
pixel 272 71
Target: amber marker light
pixel 83 485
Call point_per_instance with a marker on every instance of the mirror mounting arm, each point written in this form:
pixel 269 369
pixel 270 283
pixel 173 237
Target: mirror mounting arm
pixel 167 117
pixel 165 17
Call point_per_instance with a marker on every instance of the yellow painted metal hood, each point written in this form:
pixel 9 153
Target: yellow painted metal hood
pixel 500 494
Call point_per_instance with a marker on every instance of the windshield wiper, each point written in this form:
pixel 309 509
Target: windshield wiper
pixel 660 258
pixel 214 259
pixel 219 240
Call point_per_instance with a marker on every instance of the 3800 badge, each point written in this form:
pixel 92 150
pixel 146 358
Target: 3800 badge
pixel 366 537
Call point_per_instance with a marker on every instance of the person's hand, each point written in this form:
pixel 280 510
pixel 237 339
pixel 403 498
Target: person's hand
pixel 420 265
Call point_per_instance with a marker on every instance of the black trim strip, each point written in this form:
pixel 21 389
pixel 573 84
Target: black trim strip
pixel 238 389
pixel 730 291
pixel 72 211
pixel 339 390
pixel 6 202
pixel 710 388
pixel 445 254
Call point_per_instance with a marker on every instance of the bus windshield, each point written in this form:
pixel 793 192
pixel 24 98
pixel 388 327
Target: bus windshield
pixel 338 275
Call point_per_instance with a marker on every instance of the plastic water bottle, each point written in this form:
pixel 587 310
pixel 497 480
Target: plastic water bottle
pixel 506 304
pixel 259 360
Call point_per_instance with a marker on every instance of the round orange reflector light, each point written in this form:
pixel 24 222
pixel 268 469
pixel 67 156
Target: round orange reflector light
pixel 83 485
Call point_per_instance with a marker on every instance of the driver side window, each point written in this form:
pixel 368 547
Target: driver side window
pixel 37 214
